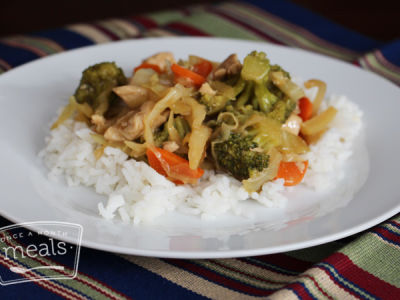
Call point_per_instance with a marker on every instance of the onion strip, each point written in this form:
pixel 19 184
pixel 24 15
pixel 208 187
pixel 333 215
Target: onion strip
pixel 320 94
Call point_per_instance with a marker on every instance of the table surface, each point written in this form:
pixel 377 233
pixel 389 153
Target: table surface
pixel 381 21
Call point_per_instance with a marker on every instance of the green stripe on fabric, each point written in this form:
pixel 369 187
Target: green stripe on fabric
pixel 214 25
pixel 80 283
pixel 376 66
pixel 373 255
pixel 317 253
pixel 288 35
pixel 164 17
pixel 258 283
pixel 39 44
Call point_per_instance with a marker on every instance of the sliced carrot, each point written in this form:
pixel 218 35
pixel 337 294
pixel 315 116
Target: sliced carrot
pixel 292 172
pixel 194 78
pixel 172 166
pixel 203 68
pixel 148 66
pixel 306 108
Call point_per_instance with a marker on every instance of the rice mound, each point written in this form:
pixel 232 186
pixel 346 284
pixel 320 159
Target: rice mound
pixel 137 193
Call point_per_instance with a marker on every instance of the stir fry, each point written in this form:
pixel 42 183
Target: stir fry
pixel 249 120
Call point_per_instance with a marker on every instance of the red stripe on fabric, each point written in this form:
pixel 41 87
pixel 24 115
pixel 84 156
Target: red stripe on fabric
pixel 41 284
pixel 356 63
pixel 285 262
pixel 218 279
pixel 300 290
pixel 318 286
pixel 33 49
pixel 324 269
pixel 5 65
pixel 387 234
pixel 78 273
pixel 185 28
pixel 146 22
pixel 246 26
pixel 365 280
pixel 104 30
pixel 394 222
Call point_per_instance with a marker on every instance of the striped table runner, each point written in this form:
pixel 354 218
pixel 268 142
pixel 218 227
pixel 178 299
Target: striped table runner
pixel 365 266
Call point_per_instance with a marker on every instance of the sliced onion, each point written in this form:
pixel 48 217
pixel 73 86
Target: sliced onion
pixel 320 94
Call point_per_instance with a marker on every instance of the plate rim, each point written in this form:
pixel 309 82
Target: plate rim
pixel 217 253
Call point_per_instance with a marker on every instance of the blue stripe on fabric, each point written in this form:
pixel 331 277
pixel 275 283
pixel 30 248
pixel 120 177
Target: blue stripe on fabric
pixel 41 274
pixel 130 279
pixel 25 290
pixel 318 25
pixel 386 239
pixel 294 291
pixel 306 289
pixel 342 281
pixel 16 56
pixel 65 38
pixel 392 52
pixel 385 227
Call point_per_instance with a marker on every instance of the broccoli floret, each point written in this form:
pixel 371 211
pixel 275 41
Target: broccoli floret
pixel 239 156
pixel 214 103
pixel 161 136
pixel 282 110
pixel 278 68
pixel 182 126
pixel 256 68
pixel 97 82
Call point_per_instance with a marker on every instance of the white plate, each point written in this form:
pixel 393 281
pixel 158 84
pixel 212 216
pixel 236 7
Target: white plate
pixel 31 94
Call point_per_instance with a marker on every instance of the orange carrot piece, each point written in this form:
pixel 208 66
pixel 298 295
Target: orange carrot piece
pixel 172 166
pixel 195 78
pixel 203 68
pixel 306 108
pixel 291 172
pixel 148 66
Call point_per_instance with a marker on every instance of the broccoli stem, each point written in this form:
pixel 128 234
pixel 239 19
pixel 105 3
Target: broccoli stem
pixel 245 95
pixel 181 126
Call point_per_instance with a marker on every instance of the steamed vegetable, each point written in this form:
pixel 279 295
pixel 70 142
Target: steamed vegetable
pixel 306 108
pixel 240 156
pixel 172 166
pixel 292 172
pixel 190 76
pixel 242 119
pixel 96 84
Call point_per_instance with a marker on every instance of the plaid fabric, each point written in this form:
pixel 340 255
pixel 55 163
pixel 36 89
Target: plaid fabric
pixel 365 266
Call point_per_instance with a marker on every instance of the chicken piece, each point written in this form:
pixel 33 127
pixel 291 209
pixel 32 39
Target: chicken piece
pixel 293 124
pixel 206 89
pixel 99 122
pixel 170 146
pixel 131 125
pixel 134 95
pixel 160 59
pixel 229 67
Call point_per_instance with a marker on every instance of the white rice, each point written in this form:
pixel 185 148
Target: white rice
pixel 136 193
